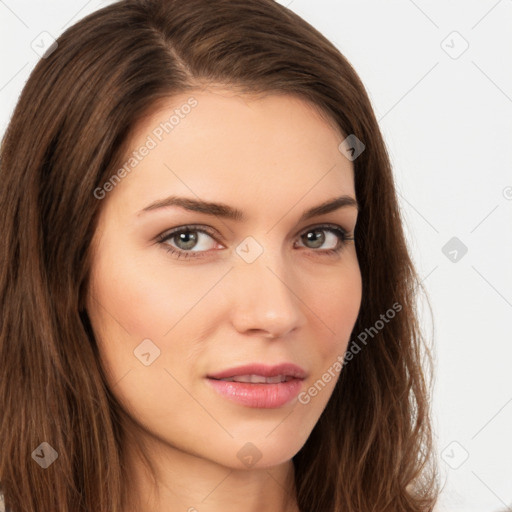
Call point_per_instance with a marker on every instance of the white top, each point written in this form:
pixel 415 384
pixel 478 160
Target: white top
pixel 2 504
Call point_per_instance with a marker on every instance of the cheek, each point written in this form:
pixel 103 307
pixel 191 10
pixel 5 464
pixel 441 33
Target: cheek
pixel 131 303
pixel 337 309
pixel 336 302
pixel 147 298
pixel 133 300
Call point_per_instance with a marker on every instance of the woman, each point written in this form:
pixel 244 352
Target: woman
pixel 207 298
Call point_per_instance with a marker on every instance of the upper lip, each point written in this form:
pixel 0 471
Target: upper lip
pixel 285 369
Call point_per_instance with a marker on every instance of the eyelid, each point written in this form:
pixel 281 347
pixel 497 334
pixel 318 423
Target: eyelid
pixel 188 227
pixel 324 225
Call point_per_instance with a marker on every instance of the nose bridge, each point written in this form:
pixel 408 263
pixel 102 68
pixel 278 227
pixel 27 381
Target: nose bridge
pixel 265 300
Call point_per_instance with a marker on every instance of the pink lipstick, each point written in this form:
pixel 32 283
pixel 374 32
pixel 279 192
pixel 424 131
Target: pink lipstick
pixel 258 385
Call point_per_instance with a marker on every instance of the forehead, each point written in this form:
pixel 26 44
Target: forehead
pixel 275 147
pixel 225 108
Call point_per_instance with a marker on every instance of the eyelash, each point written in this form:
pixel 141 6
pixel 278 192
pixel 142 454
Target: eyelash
pixel 343 237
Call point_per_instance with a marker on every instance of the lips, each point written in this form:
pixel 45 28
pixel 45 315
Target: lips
pixel 258 379
pixel 258 385
pixel 261 374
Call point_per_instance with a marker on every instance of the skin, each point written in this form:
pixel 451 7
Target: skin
pixel 272 157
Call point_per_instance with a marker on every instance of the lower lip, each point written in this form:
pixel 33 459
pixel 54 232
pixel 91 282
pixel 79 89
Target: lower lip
pixel 264 396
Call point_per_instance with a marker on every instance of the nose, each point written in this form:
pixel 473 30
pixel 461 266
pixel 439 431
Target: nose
pixel 266 302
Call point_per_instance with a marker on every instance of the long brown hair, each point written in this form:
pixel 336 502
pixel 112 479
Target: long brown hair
pixel 372 448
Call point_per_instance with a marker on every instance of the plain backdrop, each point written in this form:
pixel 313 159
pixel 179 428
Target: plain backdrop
pixel 439 75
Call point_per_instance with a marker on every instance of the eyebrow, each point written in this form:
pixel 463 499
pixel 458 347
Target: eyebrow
pixel 228 212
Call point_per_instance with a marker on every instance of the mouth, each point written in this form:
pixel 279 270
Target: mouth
pixel 257 379
pixel 258 373
pixel 259 386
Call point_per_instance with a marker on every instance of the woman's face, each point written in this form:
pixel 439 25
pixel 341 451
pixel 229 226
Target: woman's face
pixel 181 292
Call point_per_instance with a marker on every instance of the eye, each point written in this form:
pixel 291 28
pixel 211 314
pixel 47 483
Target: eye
pixel 187 241
pixel 195 242
pixel 332 235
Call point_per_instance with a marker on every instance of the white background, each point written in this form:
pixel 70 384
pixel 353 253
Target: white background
pixel 447 120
